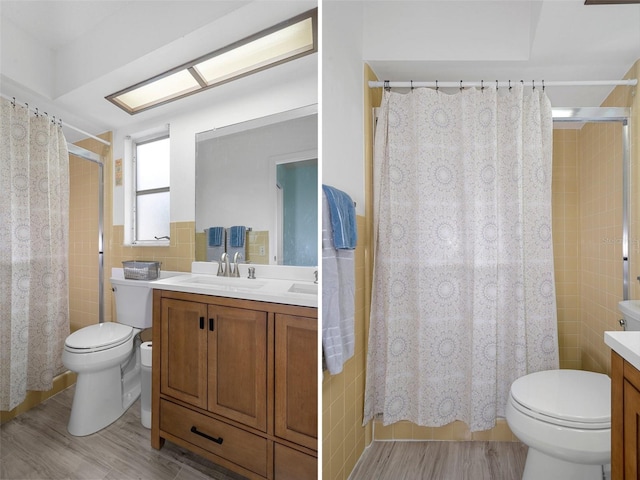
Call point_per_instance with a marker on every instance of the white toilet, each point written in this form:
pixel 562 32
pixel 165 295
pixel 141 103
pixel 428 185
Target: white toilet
pixel 107 359
pixel 564 417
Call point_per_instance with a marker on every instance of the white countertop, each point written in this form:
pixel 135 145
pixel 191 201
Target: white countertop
pixel 626 344
pixel 286 285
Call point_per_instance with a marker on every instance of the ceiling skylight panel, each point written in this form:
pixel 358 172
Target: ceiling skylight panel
pixel 270 49
pixel 158 91
pixel 281 43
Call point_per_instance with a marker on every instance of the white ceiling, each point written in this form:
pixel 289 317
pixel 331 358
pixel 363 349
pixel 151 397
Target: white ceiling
pixel 504 40
pixel 66 56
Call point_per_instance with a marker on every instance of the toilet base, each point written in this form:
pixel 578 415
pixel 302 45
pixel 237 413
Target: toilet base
pixel 103 396
pixel 540 465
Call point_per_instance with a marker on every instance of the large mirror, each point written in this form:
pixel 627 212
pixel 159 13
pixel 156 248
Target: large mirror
pixel 257 190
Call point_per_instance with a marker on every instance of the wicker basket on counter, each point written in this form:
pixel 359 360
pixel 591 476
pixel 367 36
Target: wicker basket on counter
pixel 141 270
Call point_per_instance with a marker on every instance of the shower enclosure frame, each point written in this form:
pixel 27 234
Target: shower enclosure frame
pixel 98 160
pixel 609 115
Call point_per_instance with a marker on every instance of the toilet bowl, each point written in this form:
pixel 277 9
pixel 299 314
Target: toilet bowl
pixel 564 417
pixel 106 358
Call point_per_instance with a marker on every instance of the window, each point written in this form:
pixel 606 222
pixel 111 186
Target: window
pixel 151 187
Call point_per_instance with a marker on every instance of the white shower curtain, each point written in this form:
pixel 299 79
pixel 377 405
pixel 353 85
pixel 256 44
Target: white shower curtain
pixel 34 224
pixel 463 291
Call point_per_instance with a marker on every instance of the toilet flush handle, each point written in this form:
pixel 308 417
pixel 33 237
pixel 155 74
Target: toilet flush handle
pixel 622 323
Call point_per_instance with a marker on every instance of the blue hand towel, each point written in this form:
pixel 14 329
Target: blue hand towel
pixel 343 218
pixel 215 236
pixel 237 236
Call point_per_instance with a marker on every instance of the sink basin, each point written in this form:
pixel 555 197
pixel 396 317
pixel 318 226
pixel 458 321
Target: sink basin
pixel 631 312
pixel 226 282
pixel 308 288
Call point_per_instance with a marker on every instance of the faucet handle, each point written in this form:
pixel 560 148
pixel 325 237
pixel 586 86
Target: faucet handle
pixel 236 267
pixel 252 273
pixel 221 269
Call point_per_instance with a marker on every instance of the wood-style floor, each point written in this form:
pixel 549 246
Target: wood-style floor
pixel 441 461
pixel 36 445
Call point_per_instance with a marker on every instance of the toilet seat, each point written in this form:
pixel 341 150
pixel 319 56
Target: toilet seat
pixel 95 338
pixel 569 398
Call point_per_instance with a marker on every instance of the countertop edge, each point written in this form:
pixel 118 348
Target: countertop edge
pixel 626 344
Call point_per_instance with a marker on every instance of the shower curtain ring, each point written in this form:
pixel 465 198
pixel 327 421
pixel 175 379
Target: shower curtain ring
pixel 386 85
pixel 437 87
pixel 412 85
pixel 543 85
pixel 482 86
pixel 533 82
pixel 13 102
pixel 496 85
pixel 460 85
pixel 37 114
pixel 509 85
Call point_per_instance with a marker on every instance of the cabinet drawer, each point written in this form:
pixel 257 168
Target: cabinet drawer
pixel 237 446
pixel 291 464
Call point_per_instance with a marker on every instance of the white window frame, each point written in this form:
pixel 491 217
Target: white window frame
pixel 130 186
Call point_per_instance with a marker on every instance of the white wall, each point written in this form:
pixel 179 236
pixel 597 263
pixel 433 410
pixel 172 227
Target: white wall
pixel 343 98
pixel 282 88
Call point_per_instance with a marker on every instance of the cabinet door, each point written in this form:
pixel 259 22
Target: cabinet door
pixel 183 369
pixel 631 430
pixel 296 379
pixel 238 364
pixel 290 464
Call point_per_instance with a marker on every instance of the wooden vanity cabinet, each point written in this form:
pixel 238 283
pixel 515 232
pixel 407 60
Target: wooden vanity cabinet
pixel 236 381
pixel 296 395
pixel 625 419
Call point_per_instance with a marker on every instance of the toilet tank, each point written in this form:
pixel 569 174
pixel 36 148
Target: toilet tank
pixel 631 313
pixel 134 300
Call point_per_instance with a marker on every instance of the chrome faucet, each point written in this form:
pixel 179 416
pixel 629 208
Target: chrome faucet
pixel 236 268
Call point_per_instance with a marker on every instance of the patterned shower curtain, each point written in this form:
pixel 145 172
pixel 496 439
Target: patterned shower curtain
pixel 34 224
pixel 463 291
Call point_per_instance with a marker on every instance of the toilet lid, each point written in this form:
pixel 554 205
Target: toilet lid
pixel 566 397
pixel 100 336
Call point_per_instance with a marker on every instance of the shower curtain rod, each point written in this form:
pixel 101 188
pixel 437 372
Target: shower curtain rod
pixel 37 112
pixel 499 84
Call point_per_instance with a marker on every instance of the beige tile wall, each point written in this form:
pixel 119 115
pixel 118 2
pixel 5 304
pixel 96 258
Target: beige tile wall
pixel 600 206
pixel 83 243
pixel 457 431
pixel 600 219
pixel 565 243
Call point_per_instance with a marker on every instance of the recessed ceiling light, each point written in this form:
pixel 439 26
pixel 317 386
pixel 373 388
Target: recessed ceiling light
pixel 281 43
